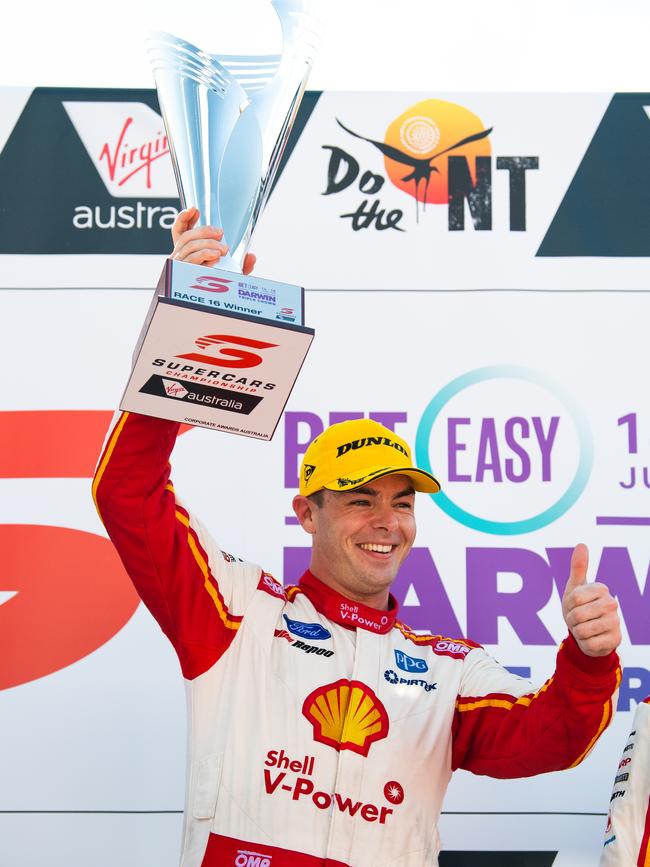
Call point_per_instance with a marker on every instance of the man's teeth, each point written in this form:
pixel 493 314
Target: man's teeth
pixel 380 549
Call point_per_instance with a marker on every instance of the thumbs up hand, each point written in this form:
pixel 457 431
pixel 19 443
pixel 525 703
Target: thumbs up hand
pixel 589 610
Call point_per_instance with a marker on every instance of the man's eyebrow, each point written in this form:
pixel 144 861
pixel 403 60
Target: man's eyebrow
pixel 372 492
pixel 407 492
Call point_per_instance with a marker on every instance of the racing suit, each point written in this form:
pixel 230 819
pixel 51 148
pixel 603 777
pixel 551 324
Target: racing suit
pixel 627 836
pixel 322 731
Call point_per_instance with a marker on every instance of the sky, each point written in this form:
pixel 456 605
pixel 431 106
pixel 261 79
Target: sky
pixel 410 45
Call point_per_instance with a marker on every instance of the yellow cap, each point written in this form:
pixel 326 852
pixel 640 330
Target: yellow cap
pixel 350 454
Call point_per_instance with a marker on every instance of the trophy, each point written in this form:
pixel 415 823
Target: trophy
pixel 219 349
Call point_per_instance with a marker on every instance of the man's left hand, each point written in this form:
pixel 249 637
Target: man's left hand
pixel 589 610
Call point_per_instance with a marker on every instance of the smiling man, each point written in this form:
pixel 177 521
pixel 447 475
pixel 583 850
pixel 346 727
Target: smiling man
pixel 323 732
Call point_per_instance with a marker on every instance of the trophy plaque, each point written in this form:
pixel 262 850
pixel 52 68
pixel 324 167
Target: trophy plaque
pixel 219 349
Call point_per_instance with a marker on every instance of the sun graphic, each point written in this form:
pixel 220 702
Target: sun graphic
pixel 424 137
pixel 420 135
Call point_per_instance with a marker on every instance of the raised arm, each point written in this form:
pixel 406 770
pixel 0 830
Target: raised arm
pixel 503 728
pixel 197 593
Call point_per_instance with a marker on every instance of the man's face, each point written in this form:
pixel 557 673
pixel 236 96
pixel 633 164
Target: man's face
pixel 361 537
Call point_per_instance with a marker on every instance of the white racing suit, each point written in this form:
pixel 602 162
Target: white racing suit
pixel 322 733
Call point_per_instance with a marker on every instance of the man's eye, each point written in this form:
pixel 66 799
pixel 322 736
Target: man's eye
pixel 405 505
pixel 360 502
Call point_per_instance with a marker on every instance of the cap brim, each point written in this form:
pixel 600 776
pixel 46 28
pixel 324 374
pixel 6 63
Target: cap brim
pixel 422 481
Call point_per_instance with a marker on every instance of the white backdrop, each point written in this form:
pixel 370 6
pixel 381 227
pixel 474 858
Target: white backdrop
pixel 107 732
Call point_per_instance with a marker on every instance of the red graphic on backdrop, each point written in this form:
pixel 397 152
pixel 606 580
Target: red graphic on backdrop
pixel 70 591
pixel 71 596
pixel 128 161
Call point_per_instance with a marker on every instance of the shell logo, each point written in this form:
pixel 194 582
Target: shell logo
pixel 346 715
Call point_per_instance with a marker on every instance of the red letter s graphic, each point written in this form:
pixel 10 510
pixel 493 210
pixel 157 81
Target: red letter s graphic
pixel 228 356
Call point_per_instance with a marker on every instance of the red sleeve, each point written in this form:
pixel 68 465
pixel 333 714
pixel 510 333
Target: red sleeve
pixel 196 592
pixel 503 730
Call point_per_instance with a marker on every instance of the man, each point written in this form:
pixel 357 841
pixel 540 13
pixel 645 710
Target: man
pixel 323 731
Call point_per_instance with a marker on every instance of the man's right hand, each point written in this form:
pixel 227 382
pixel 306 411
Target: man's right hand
pixel 202 245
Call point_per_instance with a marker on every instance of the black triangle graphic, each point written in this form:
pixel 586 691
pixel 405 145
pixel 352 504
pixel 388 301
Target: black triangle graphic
pixel 605 210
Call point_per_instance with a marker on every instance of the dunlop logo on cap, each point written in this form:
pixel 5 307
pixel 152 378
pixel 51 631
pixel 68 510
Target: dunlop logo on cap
pixel 346 715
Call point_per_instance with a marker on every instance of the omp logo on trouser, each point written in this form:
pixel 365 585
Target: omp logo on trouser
pixel 248 858
pixel 370 441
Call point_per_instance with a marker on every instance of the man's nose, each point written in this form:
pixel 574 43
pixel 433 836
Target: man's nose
pixel 385 517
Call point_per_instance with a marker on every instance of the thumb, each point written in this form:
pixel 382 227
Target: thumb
pixel 578 570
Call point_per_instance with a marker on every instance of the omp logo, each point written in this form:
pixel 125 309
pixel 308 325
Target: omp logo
pixel 455 649
pixel 211 283
pixel 174 389
pixel 270 585
pixel 127 143
pixel 246 858
pixel 229 355
pixel 346 715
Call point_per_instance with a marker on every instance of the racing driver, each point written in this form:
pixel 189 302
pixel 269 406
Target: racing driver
pixel 358 721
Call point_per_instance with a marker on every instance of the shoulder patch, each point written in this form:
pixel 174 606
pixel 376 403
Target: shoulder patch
pixel 269 585
pixel 441 645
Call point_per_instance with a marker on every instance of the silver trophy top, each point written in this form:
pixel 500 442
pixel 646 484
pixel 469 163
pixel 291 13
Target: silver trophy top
pixel 228 118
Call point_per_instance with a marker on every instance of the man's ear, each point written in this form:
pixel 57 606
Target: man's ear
pixel 305 509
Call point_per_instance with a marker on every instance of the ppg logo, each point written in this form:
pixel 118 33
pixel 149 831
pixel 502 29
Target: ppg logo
pixel 408 663
pixel 252 859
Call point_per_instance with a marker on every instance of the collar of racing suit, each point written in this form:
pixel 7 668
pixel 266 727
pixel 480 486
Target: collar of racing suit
pixel 345 611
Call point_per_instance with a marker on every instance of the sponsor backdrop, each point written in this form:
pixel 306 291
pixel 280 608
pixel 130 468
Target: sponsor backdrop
pixel 528 404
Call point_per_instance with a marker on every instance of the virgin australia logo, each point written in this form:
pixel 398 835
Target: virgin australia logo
pixel 307 630
pixel 127 143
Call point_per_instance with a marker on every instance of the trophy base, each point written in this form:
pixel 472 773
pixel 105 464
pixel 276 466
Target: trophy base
pixel 204 365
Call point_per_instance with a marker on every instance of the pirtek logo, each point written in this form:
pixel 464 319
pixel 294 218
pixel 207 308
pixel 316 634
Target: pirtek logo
pixel 228 356
pixel 369 441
